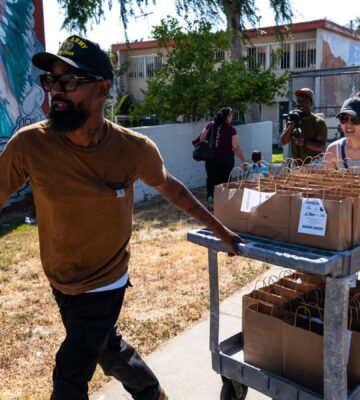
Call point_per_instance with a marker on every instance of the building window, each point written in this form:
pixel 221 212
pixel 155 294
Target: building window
pixel 219 55
pixel 305 54
pixel 257 56
pixel 153 64
pixel 136 67
pixel 284 61
pixel 144 66
pixel 280 56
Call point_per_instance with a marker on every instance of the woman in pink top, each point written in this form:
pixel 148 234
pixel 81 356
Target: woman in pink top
pixel 226 144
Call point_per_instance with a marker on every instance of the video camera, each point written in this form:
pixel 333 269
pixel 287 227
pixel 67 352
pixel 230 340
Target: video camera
pixel 295 116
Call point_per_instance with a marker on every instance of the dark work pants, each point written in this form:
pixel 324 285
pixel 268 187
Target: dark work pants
pixel 217 171
pixel 91 338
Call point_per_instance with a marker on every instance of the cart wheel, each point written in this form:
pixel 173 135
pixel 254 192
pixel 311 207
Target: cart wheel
pixel 232 390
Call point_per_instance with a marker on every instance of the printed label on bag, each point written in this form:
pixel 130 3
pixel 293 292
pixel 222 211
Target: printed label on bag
pixel 253 199
pixel 312 217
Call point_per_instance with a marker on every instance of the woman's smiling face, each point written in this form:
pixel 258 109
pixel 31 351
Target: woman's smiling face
pixel 350 126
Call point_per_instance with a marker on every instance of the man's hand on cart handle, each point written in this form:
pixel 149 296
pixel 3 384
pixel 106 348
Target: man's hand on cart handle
pixel 230 238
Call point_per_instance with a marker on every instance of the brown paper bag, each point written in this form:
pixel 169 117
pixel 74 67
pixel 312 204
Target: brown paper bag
pixel 338 234
pixel 298 281
pixel 347 187
pixel 355 223
pixel 303 354
pixel 300 288
pixel 353 369
pixel 227 205
pixel 272 218
pixel 263 337
pixel 257 296
pixel 306 277
pixel 288 293
pixel 354 360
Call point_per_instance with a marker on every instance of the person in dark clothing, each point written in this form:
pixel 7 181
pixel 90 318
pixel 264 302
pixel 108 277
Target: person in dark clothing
pixel 226 144
pixel 83 169
pixel 311 140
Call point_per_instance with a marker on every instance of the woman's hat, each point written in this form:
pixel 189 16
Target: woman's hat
pixel 351 106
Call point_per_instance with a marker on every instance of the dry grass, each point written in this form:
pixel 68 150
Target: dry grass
pixel 170 292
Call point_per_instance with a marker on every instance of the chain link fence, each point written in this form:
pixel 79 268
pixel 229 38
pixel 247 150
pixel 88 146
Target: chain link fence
pixel 331 87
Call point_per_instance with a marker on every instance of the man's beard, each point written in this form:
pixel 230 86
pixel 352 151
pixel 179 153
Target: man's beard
pixel 69 119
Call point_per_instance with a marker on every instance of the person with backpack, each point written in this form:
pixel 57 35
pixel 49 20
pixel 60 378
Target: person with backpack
pixel 219 168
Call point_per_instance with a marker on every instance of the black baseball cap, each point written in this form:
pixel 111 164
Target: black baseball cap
pixel 81 54
pixel 351 106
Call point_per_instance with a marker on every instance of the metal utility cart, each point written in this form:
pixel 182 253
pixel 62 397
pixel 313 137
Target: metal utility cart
pixel 227 356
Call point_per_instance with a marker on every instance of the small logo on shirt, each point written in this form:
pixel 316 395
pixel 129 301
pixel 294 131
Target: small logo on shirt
pixel 120 193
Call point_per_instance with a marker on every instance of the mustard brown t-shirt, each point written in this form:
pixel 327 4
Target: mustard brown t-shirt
pixel 83 197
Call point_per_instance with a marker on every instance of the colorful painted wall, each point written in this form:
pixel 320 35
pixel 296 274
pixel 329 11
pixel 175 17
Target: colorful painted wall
pixel 21 97
pixel 339 51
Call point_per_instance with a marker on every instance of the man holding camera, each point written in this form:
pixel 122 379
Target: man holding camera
pixel 306 131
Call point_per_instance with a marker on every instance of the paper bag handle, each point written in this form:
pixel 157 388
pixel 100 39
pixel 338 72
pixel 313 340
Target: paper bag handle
pixel 303 307
pixel 238 177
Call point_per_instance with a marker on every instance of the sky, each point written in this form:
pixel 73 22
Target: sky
pixel 110 29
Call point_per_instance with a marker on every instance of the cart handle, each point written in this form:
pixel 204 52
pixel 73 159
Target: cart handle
pixel 240 247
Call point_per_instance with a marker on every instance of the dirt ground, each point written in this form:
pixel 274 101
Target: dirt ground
pixel 170 292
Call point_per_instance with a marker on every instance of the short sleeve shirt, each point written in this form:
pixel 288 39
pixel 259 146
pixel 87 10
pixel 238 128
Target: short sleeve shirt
pixel 84 199
pixel 223 142
pixel 313 128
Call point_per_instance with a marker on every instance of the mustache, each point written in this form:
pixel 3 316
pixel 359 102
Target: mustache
pixel 62 99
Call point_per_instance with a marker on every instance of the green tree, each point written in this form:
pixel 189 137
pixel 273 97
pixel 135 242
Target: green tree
pixel 192 83
pixel 181 86
pixel 355 24
pixel 237 12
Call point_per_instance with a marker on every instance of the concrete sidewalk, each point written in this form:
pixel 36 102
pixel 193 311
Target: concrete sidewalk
pixel 183 364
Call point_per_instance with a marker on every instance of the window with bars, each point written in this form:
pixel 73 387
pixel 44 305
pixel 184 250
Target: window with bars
pixel 257 56
pixel 305 54
pixel 280 55
pixel 136 67
pixel 219 55
pixel 153 64
pixel 144 66
pixel 284 61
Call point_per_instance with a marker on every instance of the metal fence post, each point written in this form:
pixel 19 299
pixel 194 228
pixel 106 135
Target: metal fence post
pixel 335 335
pixel 214 301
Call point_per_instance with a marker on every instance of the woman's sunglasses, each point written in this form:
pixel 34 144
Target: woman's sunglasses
pixel 344 118
pixel 67 82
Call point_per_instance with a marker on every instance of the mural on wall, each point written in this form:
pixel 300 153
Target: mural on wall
pixel 21 97
pixel 339 51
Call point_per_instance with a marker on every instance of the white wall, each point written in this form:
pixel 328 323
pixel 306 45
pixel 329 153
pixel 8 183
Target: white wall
pixel 174 142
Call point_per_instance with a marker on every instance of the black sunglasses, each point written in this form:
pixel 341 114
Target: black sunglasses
pixel 67 82
pixel 344 118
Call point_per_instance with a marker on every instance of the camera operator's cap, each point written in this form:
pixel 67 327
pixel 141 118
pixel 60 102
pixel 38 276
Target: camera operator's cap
pixel 81 54
pixel 306 92
pixel 351 106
